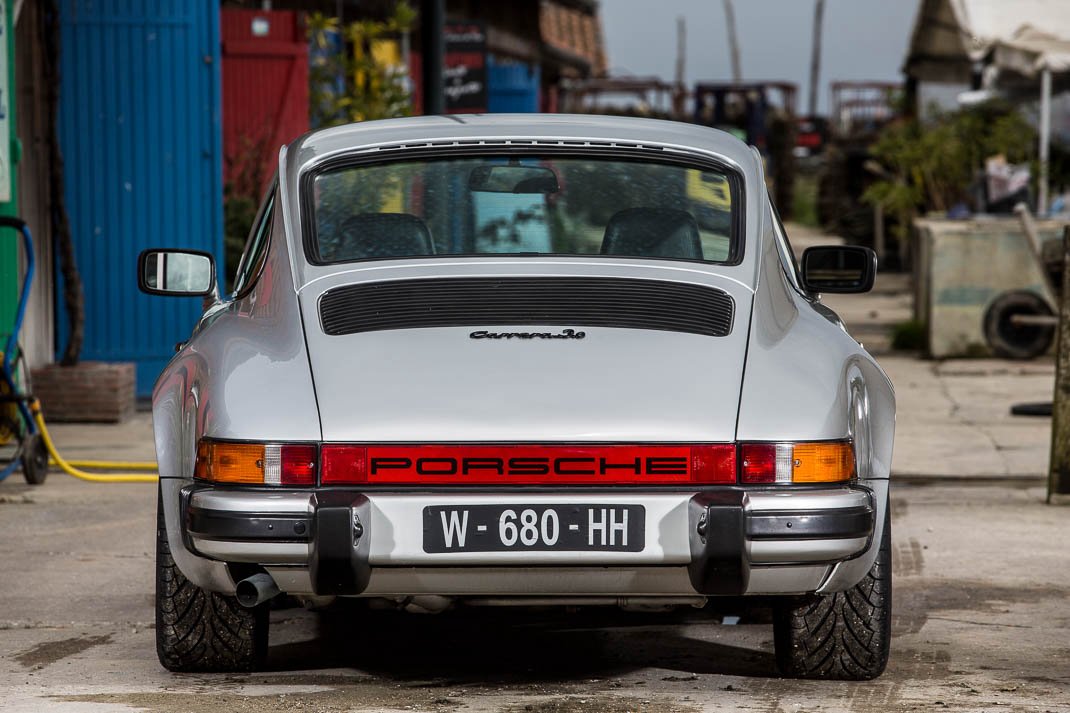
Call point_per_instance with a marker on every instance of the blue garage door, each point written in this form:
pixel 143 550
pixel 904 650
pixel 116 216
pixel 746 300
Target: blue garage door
pixel 141 138
pixel 511 86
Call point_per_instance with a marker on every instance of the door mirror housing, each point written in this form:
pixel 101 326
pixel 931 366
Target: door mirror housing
pixel 839 269
pixel 176 273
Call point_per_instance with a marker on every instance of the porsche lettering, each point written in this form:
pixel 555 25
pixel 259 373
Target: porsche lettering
pixel 565 465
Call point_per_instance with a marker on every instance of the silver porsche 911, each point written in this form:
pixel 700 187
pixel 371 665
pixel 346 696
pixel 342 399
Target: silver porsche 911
pixel 476 361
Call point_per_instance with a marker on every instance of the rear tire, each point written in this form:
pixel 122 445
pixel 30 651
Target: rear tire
pixel 842 636
pixel 198 630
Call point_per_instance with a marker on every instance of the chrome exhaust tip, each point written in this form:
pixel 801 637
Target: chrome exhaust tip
pixel 256 590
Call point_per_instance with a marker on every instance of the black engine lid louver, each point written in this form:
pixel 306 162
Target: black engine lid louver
pixel 515 301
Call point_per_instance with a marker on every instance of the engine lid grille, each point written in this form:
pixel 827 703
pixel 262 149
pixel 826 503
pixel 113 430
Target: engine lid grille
pixel 516 301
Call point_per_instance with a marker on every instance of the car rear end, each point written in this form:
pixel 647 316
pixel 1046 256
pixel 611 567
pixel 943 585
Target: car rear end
pixel 528 363
pixel 528 359
pixel 668 523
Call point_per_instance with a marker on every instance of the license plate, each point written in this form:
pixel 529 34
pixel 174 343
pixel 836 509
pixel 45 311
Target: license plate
pixel 508 528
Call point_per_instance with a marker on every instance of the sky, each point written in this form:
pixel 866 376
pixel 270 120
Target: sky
pixel 862 40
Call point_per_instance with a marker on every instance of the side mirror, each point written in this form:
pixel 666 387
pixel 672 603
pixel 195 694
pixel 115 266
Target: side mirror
pixel 838 268
pixel 177 273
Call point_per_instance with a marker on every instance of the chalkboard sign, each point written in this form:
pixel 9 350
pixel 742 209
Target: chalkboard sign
pixel 465 71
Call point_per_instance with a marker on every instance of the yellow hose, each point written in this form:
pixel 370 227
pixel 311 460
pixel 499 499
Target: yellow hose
pixel 118 464
pixel 69 468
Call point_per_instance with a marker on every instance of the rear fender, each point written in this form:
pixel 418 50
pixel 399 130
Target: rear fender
pixel 243 375
pixel 807 381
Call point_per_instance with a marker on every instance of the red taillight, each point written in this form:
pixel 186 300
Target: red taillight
pixel 759 463
pixel 343 464
pixel 297 465
pixel 713 464
pixel 799 462
pixel 244 463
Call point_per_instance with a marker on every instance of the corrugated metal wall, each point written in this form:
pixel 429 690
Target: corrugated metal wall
pixel 140 131
pixel 511 86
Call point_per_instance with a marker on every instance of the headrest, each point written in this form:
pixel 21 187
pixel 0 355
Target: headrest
pixel 366 235
pixel 653 232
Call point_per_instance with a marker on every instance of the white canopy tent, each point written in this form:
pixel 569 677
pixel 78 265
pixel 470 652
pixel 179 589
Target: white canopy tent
pixel 1031 54
pixel 954 39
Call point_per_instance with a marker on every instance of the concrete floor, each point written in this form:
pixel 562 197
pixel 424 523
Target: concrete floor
pixel 981 615
pixel 981 623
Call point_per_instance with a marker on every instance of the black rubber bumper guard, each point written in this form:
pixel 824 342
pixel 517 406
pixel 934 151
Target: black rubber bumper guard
pixel 336 529
pixel 719 528
pixel 341 546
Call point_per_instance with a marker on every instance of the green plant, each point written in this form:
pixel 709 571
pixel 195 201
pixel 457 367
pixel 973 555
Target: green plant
pixel 931 165
pixel 908 335
pixel 241 199
pixel 804 200
pixel 349 83
pixel 239 212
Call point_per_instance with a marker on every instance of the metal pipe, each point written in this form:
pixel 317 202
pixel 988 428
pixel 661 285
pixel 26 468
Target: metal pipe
pixel 1034 320
pixel 1045 140
pixel 815 56
pixel 255 590
pixel 1029 227
pixel 432 36
pixel 733 41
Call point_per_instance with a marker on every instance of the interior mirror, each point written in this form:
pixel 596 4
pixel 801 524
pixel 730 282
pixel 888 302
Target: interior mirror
pixel 505 178
pixel 838 268
pixel 182 273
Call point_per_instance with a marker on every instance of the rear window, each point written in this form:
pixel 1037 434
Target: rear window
pixel 523 205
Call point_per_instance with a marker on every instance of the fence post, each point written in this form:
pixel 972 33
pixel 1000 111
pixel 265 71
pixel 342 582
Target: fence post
pixel 1059 471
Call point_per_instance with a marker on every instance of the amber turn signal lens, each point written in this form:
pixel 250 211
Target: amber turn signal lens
pixel 230 462
pixel 831 462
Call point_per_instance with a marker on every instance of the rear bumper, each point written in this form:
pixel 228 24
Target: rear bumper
pixel 721 541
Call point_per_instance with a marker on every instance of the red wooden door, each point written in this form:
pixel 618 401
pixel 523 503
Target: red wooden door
pixel 265 92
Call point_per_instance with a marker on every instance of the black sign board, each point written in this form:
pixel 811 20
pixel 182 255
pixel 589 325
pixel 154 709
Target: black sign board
pixel 465 71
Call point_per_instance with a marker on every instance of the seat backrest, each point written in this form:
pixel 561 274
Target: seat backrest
pixel 653 232
pixel 367 235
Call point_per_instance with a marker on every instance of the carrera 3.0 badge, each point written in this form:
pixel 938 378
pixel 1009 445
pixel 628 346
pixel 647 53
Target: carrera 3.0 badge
pixel 563 334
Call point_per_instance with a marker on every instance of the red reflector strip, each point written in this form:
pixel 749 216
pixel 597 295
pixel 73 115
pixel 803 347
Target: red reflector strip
pixel 343 464
pixel 529 465
pixel 713 463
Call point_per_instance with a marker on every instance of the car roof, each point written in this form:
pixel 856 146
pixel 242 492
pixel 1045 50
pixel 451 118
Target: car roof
pixel 396 137
pixel 589 128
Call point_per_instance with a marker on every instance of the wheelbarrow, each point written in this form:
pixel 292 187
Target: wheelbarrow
pixel 17 424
